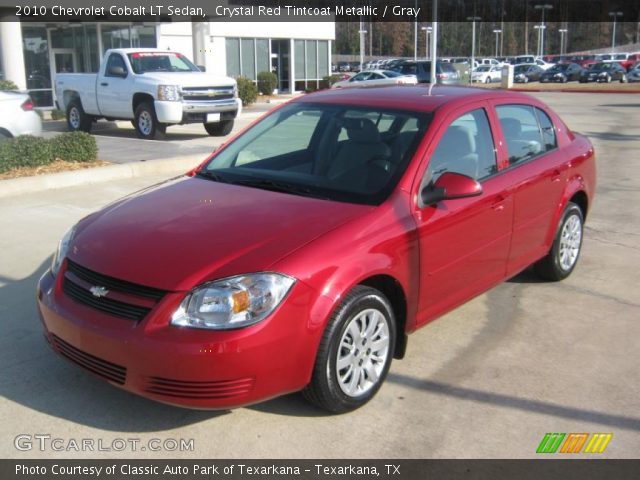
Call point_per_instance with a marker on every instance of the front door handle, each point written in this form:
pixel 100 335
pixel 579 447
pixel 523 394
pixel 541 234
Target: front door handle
pixel 555 177
pixel 498 205
pixel 104 84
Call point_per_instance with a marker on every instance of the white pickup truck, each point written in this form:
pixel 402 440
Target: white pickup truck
pixel 153 89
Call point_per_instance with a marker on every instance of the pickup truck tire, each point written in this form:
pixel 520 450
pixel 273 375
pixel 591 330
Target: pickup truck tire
pixel 146 123
pixel 77 120
pixel 219 129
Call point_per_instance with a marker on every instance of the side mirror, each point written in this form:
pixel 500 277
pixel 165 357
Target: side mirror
pixel 449 186
pixel 117 72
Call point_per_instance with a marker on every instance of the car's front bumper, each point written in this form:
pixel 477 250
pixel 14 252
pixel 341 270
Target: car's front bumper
pixel 196 111
pixel 184 366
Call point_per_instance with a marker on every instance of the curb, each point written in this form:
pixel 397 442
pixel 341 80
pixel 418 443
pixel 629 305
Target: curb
pixel 89 176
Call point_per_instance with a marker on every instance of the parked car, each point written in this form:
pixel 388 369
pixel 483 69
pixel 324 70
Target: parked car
pixel 354 66
pixel 585 61
pixel 372 78
pixel 446 73
pixel 488 61
pixel 18 115
pixel 302 253
pixel 151 87
pixel 527 72
pixel 633 75
pixel 544 65
pixel 604 72
pixel 344 67
pixel 486 74
pixel 561 72
pixel 524 59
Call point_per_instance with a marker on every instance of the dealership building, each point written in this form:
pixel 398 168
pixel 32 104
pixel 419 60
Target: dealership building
pixel 298 52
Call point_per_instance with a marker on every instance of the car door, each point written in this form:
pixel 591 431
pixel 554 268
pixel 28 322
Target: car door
pixel 114 91
pixel 464 243
pixel 537 171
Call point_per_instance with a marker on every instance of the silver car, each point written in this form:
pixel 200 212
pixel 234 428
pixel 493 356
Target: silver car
pixel 371 78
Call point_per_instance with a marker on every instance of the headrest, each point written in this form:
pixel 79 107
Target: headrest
pixel 361 130
pixel 457 141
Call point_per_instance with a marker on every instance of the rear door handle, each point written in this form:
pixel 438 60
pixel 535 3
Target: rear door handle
pixel 104 84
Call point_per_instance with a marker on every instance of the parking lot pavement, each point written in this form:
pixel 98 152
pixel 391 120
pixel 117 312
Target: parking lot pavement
pixel 118 143
pixel 488 380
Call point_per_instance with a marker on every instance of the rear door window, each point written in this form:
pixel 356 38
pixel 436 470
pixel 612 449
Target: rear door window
pixel 528 131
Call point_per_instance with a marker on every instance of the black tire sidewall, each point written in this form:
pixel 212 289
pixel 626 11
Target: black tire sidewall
pixel 84 122
pixel 219 129
pixel 157 129
pixel 572 209
pixel 368 299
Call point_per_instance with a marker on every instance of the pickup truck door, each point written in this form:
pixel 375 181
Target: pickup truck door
pixel 113 88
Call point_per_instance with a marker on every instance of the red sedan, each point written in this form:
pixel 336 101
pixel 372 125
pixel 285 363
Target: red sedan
pixel 302 254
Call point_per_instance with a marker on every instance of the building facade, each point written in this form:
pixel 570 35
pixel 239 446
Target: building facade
pixel 299 53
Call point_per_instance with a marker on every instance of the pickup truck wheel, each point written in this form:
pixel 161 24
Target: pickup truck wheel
pixel 219 129
pixel 77 120
pixel 146 123
pixel 564 253
pixel 355 352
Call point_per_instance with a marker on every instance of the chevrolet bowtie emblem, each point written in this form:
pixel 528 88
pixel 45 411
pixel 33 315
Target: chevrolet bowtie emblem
pixel 98 291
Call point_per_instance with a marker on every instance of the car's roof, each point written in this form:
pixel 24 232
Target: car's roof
pixel 419 98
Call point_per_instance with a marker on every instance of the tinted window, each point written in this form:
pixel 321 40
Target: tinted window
pixel 466 147
pixel 115 60
pixel 521 132
pixel 548 132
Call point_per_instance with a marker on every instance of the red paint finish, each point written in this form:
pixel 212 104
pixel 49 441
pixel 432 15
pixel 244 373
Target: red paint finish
pixel 187 231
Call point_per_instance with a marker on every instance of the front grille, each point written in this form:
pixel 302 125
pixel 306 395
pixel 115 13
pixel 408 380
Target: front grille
pixel 78 281
pixel 199 390
pixel 207 93
pixel 107 370
pixel 113 283
pixel 106 305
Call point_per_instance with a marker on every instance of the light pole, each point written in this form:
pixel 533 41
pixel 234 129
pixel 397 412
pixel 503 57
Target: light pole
pixel 415 34
pixel 562 31
pixel 542 7
pixel 427 33
pixel 434 43
pixel 473 41
pixel 613 36
pixel 497 32
pixel 362 33
pixel 539 28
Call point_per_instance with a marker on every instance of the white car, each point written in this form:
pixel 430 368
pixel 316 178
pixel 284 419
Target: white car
pixel 486 74
pixel 371 78
pixel 544 65
pixel 17 115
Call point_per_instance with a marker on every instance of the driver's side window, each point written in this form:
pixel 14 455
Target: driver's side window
pixel 466 147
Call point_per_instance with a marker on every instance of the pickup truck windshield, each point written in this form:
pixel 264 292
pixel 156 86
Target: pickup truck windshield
pixel 345 153
pixel 143 62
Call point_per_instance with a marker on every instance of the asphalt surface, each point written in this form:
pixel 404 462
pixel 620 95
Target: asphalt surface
pixel 118 143
pixel 487 380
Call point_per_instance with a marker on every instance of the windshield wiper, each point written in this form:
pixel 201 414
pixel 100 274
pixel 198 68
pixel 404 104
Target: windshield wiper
pixel 276 186
pixel 208 174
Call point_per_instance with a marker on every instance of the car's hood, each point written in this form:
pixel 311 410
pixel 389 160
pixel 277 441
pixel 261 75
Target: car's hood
pixel 176 235
pixel 188 79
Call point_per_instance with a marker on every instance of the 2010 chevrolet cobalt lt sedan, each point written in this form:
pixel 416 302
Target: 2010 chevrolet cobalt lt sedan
pixel 301 254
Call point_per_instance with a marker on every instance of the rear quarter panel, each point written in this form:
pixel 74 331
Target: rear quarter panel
pixel 83 85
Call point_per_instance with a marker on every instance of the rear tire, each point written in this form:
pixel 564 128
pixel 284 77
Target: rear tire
pixel 565 251
pixel 219 129
pixel 146 123
pixel 77 119
pixel 624 79
pixel 355 352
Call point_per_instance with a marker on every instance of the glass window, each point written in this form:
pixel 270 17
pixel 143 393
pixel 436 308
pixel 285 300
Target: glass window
pixel 115 60
pixel 323 58
pixel 466 147
pixel 521 132
pixel 547 129
pixel 312 59
pixel 114 36
pixel 299 149
pixel 262 55
pixel 35 49
pixel 248 52
pixel 299 61
pixel 233 56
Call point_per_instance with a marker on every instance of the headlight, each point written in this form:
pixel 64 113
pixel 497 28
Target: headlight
pixel 170 93
pixel 61 252
pixel 233 302
pixel 235 91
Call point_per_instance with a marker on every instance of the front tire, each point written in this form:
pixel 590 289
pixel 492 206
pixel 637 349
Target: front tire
pixel 146 123
pixel 219 129
pixel 355 352
pixel 565 251
pixel 77 119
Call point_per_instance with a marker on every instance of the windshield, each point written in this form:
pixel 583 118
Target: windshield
pixel 143 62
pixel 391 74
pixel 559 67
pixel 336 152
pixel 483 68
pixel 599 67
